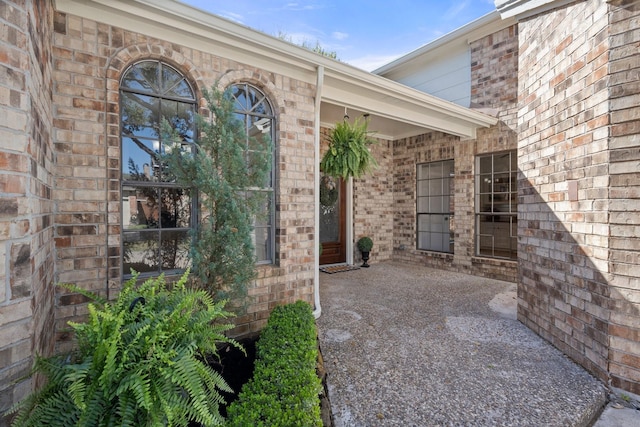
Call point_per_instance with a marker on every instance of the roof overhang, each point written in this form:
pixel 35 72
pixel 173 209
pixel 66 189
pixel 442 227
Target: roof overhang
pixel 488 24
pixel 521 9
pixel 395 110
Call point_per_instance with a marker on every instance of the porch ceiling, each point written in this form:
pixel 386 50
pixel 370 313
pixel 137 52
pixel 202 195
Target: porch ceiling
pixel 395 110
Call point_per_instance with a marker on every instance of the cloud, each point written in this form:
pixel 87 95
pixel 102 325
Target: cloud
pixel 455 10
pixel 298 6
pixel 338 35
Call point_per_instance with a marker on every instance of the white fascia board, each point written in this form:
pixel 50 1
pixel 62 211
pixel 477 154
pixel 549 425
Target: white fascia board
pixel 520 9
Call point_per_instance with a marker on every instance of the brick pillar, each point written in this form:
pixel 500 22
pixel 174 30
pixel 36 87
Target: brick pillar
pixel 580 164
pixel 624 211
pixel 26 181
pixel 563 156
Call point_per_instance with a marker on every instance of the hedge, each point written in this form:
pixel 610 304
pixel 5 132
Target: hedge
pixel 284 389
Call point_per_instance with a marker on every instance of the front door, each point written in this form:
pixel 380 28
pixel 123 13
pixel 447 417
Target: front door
pixel 332 220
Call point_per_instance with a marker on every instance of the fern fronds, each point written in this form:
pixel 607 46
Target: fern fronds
pixel 137 365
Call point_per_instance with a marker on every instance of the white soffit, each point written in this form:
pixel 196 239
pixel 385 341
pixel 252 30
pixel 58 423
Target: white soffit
pixel 344 85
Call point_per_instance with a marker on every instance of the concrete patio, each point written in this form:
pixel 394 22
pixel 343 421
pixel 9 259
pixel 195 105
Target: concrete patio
pixel 412 346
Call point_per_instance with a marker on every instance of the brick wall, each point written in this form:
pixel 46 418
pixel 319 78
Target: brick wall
pixel 564 178
pixel 26 180
pixel 373 205
pixel 89 59
pixel 494 64
pixel 624 208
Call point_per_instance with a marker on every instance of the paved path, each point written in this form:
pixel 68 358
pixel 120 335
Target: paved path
pixel 413 346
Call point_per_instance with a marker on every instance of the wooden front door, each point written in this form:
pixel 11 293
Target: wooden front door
pixel 333 220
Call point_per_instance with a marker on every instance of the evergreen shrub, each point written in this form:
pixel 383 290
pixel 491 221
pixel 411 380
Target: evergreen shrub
pixel 284 390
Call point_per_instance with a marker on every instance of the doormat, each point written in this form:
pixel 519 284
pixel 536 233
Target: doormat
pixel 339 268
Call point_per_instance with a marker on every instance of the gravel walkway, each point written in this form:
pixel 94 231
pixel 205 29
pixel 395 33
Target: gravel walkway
pixel 413 346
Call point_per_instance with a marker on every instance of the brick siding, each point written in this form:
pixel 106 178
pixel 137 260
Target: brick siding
pixel 26 199
pixel 494 64
pixel 578 156
pixel 624 194
pixel 90 57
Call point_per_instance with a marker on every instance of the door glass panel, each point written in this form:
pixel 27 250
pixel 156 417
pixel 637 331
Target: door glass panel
pixel 329 209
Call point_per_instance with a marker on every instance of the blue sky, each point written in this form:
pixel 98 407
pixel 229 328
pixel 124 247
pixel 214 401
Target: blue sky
pixel 366 34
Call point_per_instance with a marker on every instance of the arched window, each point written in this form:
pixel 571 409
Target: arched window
pixel 157 213
pixel 253 109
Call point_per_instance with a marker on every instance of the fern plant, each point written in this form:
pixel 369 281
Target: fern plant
pixel 348 154
pixel 140 362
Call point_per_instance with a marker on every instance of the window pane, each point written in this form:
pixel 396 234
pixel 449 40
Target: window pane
pixel 142 77
pixel 501 162
pixel 435 187
pixel 436 205
pixel 423 188
pixel 174 250
pixel 173 84
pixel 423 171
pixel 240 95
pixel 486 165
pixel 176 208
pixel 140 208
pixel 263 218
pixel 181 118
pixel 140 250
pixel 486 246
pixel 423 204
pixel 139 160
pixel 140 114
pixel 262 239
pixel 423 223
pixel 435 170
pixel 259 133
pixel 437 223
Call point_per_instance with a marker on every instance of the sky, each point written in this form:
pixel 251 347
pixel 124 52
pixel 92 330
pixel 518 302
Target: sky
pixel 366 34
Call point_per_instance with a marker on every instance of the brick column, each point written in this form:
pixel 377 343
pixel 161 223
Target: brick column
pixel 26 181
pixel 624 193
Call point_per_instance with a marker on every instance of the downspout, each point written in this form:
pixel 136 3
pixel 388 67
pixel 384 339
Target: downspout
pixel 316 194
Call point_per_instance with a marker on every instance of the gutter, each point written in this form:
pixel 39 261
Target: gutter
pixel 316 194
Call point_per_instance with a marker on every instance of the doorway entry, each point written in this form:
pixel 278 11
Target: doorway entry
pixel 333 224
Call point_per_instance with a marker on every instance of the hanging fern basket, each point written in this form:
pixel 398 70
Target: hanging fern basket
pixel 348 154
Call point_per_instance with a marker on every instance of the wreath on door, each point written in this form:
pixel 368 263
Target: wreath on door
pixel 328 191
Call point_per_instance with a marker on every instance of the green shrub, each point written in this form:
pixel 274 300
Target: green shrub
pixel 365 244
pixel 140 362
pixel 285 387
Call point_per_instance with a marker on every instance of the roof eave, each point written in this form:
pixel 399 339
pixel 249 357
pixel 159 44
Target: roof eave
pixel 352 86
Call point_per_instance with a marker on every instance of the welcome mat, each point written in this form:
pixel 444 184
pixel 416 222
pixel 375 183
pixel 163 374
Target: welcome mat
pixel 339 268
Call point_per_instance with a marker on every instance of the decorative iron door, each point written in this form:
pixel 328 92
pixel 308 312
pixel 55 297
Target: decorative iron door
pixel 332 220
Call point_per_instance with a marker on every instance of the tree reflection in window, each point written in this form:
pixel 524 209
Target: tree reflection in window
pixel 252 108
pixel 157 214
